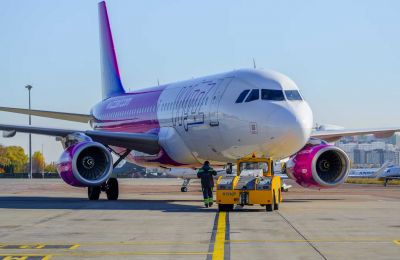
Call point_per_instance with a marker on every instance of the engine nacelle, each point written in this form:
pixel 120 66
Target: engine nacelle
pixel 85 164
pixel 319 166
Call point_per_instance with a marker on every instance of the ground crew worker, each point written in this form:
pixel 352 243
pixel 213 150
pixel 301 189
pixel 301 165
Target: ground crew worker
pixel 206 174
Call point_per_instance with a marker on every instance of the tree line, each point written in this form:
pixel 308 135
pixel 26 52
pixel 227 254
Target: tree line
pixel 14 160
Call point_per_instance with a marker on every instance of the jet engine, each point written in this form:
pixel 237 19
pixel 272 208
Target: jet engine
pixel 319 166
pixel 85 164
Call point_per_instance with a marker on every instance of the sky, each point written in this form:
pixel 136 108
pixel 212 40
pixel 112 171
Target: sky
pixel 343 55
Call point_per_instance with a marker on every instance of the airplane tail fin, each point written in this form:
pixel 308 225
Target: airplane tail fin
pixel 111 80
pixel 381 170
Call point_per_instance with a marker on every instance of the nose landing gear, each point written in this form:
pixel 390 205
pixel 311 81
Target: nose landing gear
pixel 185 185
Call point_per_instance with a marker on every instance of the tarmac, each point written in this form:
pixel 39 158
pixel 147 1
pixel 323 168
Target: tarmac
pixel 43 219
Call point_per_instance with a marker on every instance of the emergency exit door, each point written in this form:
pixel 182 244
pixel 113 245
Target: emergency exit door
pixel 221 86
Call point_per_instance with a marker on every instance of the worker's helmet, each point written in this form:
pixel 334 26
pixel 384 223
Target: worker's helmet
pixel 207 163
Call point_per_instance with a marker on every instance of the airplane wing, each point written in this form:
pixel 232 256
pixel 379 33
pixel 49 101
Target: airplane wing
pixel 81 118
pixel 334 135
pixel 146 143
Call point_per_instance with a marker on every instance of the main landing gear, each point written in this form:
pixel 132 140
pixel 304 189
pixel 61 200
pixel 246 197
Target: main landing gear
pixel 110 187
pixel 185 185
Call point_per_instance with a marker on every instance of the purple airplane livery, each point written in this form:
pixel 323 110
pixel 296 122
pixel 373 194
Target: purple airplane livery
pixel 178 126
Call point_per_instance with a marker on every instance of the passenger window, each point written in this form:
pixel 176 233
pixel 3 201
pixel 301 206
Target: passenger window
pixel 254 95
pixel 293 95
pixel 242 96
pixel 271 94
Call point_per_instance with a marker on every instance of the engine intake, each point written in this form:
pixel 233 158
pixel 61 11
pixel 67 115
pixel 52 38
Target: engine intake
pixel 319 166
pixel 85 164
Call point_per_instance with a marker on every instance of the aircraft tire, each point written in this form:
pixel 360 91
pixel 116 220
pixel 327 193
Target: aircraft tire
pixel 184 189
pixel 94 192
pixel 112 189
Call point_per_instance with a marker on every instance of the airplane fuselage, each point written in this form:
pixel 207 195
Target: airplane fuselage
pixel 218 118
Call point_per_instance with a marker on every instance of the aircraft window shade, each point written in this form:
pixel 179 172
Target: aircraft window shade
pixel 254 95
pixel 270 94
pixel 293 95
pixel 242 96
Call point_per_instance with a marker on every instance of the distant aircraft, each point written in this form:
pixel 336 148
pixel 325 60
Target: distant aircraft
pixel 219 118
pixel 386 173
pixel 190 174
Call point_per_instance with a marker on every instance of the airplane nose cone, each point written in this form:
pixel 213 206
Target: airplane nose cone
pixel 291 127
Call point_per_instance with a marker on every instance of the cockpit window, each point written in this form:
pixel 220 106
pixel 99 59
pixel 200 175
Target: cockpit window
pixel 293 95
pixel 242 96
pixel 271 94
pixel 254 95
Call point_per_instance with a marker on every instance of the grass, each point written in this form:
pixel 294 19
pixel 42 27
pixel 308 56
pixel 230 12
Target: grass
pixel 371 181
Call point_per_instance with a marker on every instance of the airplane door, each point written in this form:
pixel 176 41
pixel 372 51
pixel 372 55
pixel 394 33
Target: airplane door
pixel 221 86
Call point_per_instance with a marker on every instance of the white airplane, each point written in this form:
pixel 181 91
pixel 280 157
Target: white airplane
pixel 188 175
pixel 218 118
pixel 191 174
pixel 386 173
pixel 391 173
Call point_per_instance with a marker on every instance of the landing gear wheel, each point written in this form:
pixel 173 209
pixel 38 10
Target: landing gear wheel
pixel 184 189
pixel 112 189
pixel 276 205
pixel 94 192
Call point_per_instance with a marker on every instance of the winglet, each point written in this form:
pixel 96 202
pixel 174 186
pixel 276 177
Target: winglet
pixel 381 170
pixel 111 80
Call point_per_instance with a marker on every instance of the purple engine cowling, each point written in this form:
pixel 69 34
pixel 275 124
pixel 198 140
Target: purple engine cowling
pixel 85 164
pixel 319 166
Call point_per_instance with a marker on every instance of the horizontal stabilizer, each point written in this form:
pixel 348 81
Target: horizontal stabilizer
pixel 82 118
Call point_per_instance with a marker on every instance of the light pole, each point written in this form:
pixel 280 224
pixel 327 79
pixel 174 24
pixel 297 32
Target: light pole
pixel 29 87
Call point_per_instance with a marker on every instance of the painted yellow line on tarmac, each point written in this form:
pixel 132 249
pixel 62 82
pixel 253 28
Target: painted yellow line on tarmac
pixel 25 257
pixel 76 245
pixel 101 253
pixel 219 245
pixel 38 246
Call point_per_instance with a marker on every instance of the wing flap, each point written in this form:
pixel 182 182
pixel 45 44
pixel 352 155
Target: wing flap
pixel 81 118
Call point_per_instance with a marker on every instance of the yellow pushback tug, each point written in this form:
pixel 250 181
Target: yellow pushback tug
pixel 254 183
